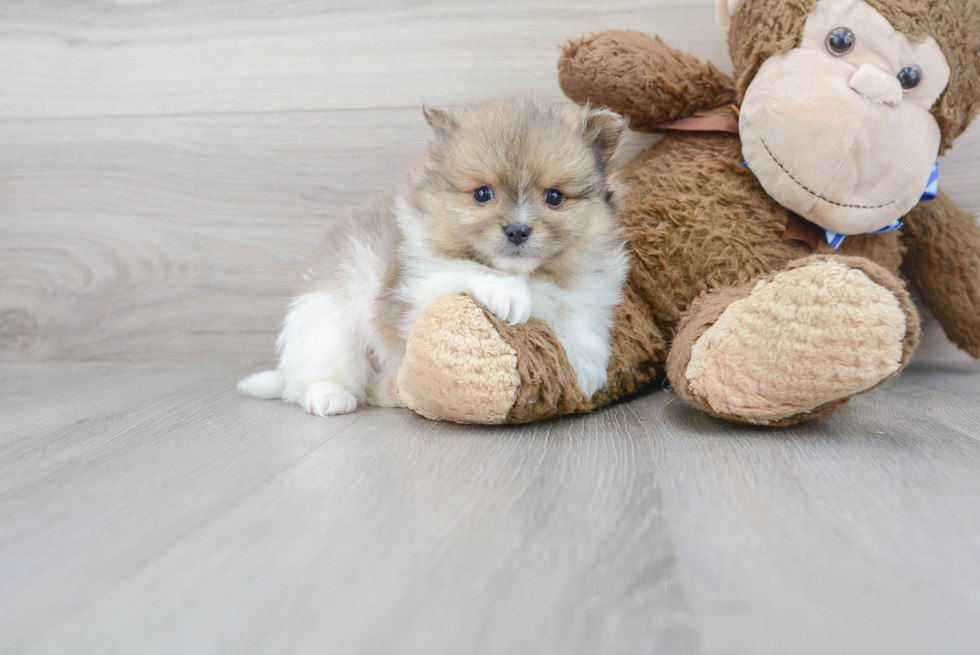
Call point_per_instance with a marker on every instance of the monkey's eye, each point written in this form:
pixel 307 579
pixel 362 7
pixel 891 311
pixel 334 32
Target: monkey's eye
pixel 483 194
pixel 554 198
pixel 910 76
pixel 840 42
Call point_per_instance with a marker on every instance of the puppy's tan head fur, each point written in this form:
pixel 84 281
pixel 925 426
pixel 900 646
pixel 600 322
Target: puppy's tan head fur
pixel 521 185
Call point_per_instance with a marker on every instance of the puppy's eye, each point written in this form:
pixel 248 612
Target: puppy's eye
pixel 840 41
pixel 910 76
pixel 554 198
pixel 483 194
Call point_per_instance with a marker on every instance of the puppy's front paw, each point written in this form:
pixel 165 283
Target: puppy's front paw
pixel 509 299
pixel 328 399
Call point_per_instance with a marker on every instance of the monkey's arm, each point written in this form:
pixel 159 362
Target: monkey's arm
pixel 943 263
pixel 640 77
pixel 463 364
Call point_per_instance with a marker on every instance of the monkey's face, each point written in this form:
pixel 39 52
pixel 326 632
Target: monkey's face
pixel 839 130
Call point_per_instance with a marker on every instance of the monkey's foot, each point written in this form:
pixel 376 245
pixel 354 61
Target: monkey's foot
pixel 795 345
pixel 462 364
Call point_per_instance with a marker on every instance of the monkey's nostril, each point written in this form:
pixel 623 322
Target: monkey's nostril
pixel 517 233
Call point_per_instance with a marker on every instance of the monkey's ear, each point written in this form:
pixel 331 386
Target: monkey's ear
pixel 603 130
pixel 440 119
pixel 724 10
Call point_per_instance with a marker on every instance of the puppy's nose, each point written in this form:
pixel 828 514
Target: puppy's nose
pixel 517 233
pixel 877 85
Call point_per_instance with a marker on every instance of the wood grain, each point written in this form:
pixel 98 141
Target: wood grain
pixel 140 238
pixel 148 508
pixel 65 59
pixel 167 515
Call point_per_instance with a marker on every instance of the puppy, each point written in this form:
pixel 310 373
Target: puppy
pixel 512 205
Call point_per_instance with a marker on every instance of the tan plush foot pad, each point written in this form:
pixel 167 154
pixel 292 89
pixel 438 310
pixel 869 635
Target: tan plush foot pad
pixel 462 364
pixel 457 367
pixel 799 343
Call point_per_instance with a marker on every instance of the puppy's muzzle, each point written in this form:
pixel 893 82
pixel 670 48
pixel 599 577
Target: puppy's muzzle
pixel 517 233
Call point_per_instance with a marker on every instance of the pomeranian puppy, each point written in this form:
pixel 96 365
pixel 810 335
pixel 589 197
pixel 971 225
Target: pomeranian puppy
pixel 513 205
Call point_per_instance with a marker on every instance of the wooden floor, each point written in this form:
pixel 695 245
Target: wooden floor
pixel 166 168
pixel 148 508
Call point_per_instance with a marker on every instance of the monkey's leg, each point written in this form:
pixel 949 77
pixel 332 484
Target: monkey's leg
pixel 464 365
pixel 796 344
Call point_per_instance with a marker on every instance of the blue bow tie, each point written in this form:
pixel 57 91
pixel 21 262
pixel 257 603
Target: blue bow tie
pixel 932 190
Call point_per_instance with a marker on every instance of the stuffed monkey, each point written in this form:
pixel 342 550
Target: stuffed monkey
pixel 770 229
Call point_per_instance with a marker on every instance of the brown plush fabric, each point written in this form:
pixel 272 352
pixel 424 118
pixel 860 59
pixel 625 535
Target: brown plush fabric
pixel 548 387
pixel 639 77
pixel 548 384
pixel 763 28
pixel 943 263
pixel 697 220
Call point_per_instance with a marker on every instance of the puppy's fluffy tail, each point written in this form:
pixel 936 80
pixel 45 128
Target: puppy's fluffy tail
pixel 263 385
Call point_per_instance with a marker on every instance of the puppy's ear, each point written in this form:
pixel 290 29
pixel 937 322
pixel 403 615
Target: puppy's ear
pixel 441 120
pixel 603 131
pixel 724 10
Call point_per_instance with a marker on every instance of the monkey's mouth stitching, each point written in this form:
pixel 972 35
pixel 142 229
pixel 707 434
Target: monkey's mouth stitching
pixel 817 195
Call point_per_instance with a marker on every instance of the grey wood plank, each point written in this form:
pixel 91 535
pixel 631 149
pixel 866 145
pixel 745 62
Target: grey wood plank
pixel 185 236
pixel 855 534
pixel 65 58
pixel 227 524
pixel 220 523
